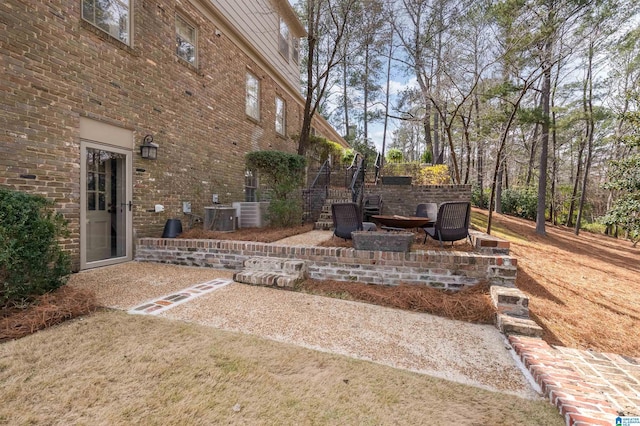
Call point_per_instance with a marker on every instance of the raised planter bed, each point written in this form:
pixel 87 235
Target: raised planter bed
pixel 382 241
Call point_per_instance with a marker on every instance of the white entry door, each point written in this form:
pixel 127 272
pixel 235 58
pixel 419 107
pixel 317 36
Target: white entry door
pixel 105 205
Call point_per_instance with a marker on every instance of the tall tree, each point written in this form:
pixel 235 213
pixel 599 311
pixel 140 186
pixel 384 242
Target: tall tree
pixel 327 22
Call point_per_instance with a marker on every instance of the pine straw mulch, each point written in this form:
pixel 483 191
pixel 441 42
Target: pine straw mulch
pixel 47 310
pixel 583 289
pixel 472 304
pixel 260 235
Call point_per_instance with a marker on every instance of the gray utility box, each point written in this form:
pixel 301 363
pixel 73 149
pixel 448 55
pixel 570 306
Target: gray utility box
pixel 219 218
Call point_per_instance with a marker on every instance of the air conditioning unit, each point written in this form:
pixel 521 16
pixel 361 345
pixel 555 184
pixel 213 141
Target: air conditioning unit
pixel 219 218
pixel 251 214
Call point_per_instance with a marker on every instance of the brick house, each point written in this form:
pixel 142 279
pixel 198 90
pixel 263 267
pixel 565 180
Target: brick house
pixel 85 81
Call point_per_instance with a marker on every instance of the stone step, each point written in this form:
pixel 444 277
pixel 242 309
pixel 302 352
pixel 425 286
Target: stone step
pixel 522 326
pixel 330 201
pixel 268 271
pixel 510 301
pixel 339 193
pixel 323 225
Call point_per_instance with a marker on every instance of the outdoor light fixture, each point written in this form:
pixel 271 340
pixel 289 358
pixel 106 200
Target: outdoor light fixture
pixel 148 149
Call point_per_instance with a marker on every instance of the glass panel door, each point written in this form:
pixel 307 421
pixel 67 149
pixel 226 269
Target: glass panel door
pixel 106 204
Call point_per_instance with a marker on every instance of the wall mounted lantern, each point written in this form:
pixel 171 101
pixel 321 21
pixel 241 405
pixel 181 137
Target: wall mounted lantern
pixel 148 149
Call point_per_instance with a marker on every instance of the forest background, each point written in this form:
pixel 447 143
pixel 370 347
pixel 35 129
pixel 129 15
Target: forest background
pixel 537 99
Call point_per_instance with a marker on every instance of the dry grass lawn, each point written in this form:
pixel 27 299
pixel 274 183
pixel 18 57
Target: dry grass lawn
pixel 584 290
pixel 113 368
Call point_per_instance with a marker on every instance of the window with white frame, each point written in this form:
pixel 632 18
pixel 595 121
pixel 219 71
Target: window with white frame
pixel 111 16
pixel 186 40
pixel 250 186
pixel 281 112
pixel 283 39
pixel 253 96
pixel 295 51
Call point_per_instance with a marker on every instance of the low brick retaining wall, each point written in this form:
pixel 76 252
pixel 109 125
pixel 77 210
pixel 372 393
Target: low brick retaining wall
pixel 440 269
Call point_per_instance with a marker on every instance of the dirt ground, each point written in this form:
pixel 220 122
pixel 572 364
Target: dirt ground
pixel 584 290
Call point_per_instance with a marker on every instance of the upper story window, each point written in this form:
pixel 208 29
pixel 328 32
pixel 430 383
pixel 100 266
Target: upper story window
pixel 185 40
pixel 283 39
pixel 295 51
pixel 253 96
pixel 280 116
pixel 111 16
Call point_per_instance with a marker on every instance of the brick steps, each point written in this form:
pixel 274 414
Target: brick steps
pixel 268 271
pixel 336 195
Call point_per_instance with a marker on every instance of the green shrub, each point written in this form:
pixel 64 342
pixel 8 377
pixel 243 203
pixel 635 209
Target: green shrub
pixel 31 260
pixel 283 173
pixel 521 202
pixel 480 198
pixel 347 156
pixel 596 228
pixel 394 155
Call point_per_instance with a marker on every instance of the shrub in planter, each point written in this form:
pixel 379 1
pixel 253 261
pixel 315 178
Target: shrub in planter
pixel 283 174
pixel 31 260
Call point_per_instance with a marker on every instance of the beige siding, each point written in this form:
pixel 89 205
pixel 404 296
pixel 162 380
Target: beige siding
pixel 259 22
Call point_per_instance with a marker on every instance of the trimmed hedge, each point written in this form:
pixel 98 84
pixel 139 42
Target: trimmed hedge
pixel 31 260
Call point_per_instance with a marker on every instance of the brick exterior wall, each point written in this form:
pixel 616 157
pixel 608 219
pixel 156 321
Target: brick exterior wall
pixel 57 68
pixel 440 269
pixel 403 199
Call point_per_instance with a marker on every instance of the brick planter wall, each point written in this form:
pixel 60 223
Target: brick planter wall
pixel 440 269
pixel 403 199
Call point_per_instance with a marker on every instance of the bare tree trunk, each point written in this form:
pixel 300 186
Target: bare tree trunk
pixel 466 121
pixel 365 115
pixel 576 182
pixel 452 156
pixel 503 141
pixel 544 149
pixel 532 154
pixel 386 102
pixel 345 104
pixel 554 171
pixel 436 139
pixel 588 110
pixel 498 206
pixel 479 152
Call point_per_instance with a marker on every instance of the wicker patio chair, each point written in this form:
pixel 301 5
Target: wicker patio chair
pixel 372 205
pixel 347 218
pixel 452 223
pixel 429 210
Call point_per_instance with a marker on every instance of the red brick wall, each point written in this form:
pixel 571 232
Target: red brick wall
pixel 57 68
